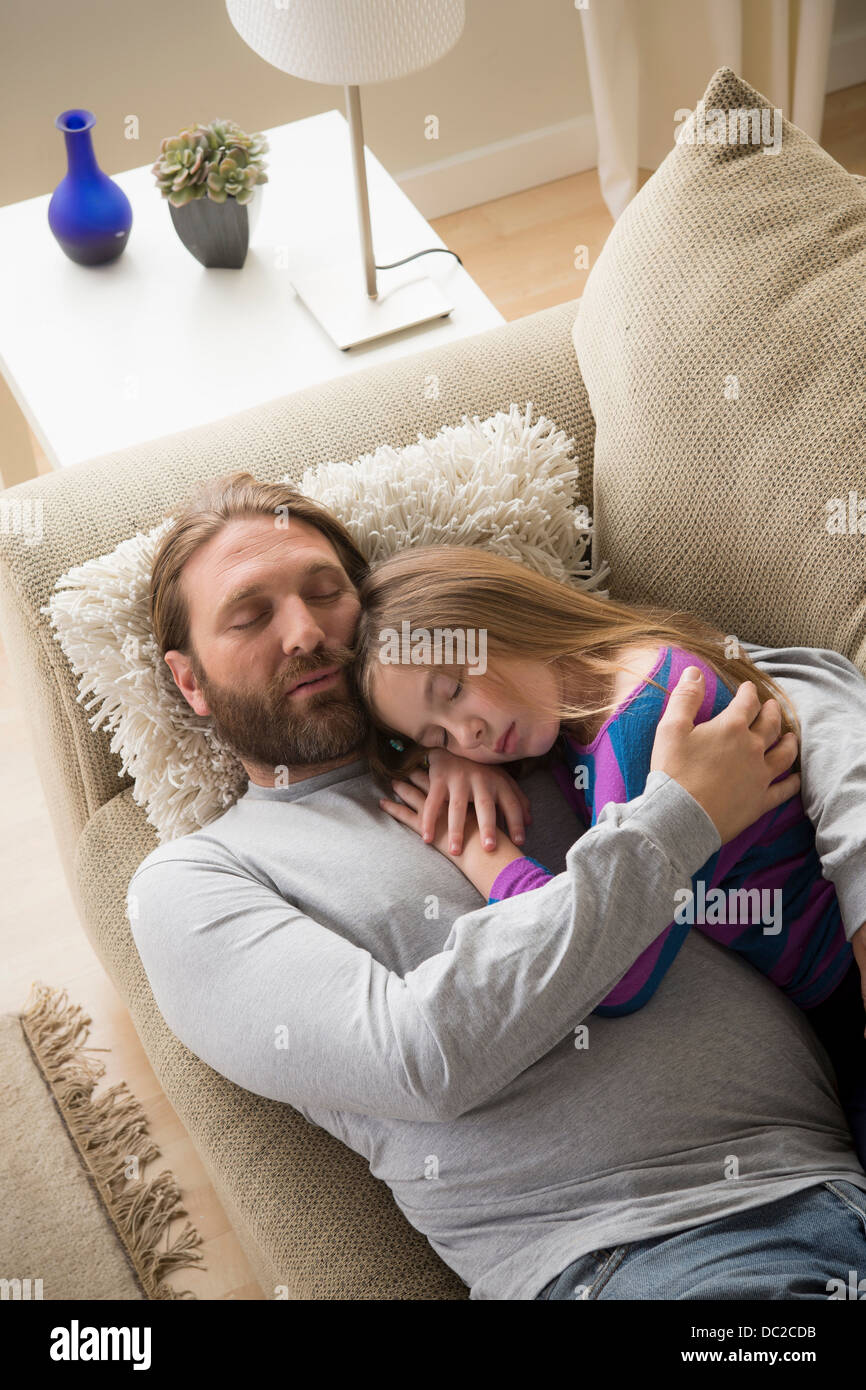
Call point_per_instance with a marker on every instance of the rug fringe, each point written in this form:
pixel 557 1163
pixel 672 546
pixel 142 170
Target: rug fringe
pixel 109 1130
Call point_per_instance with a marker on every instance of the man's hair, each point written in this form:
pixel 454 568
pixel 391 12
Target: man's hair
pixel 217 502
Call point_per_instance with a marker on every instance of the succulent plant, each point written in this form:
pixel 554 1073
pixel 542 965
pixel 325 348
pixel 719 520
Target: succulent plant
pixel 218 161
pixel 183 166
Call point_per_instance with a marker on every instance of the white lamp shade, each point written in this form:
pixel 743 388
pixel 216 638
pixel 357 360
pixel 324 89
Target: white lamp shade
pixel 349 42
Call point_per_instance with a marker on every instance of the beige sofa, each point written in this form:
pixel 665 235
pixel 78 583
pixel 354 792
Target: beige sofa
pixel 306 1209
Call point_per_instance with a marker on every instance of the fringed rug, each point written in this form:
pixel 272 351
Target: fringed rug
pixel 78 1220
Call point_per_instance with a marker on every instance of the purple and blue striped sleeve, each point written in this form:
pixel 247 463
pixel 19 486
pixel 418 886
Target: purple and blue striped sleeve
pixel 520 876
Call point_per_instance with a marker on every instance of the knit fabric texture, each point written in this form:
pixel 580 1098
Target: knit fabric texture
pixel 720 337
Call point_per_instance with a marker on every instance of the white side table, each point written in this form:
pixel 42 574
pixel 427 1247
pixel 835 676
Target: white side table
pixel 101 357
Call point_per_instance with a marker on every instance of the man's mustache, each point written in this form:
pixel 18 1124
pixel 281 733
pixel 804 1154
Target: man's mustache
pixel 334 656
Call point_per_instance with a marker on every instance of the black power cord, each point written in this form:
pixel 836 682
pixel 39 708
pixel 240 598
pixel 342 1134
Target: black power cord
pixel 444 249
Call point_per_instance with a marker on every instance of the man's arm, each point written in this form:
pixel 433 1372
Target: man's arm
pixel 291 1010
pixel 829 695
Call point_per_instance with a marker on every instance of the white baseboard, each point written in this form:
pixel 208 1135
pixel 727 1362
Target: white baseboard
pixel 847 64
pixel 554 152
pixel 507 166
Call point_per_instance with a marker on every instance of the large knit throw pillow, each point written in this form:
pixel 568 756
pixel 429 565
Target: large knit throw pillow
pixel 722 339
pixel 506 483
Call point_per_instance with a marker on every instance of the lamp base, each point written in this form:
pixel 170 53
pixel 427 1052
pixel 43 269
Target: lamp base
pixel 336 297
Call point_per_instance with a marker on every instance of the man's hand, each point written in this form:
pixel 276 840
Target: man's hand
pixel 729 763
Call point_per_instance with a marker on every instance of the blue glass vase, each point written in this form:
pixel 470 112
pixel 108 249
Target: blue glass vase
pixel 89 214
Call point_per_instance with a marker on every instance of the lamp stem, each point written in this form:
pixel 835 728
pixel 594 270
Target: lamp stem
pixel 356 132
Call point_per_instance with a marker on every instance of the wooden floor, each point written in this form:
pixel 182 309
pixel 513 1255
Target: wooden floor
pixel 520 250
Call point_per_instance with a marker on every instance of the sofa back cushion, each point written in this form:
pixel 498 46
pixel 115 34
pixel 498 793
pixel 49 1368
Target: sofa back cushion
pixel 721 339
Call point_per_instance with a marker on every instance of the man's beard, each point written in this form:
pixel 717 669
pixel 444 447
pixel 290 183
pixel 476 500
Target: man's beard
pixel 264 727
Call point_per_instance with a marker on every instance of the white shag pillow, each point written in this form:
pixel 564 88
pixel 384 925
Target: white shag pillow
pixel 504 483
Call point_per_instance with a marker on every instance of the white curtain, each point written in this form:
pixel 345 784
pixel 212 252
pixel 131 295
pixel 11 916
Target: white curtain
pixel 649 58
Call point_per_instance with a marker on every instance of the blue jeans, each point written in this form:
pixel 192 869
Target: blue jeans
pixel 791 1248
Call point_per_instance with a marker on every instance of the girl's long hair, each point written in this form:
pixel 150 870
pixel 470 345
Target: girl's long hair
pixel 526 615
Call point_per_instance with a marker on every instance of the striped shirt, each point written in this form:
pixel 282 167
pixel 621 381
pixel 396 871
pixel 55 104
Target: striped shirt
pixel 762 894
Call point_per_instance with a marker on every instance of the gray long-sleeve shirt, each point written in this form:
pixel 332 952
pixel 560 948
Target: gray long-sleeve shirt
pixel 315 951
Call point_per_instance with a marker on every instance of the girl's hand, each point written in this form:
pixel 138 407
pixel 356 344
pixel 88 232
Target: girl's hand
pixel 481 866
pixel 459 781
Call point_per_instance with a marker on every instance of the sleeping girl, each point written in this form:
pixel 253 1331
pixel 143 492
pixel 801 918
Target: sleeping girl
pixel 583 680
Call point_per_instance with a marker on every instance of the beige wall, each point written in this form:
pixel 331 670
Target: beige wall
pixel 519 66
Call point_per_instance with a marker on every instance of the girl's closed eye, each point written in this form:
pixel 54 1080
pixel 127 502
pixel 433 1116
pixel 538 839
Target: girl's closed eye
pixel 443 742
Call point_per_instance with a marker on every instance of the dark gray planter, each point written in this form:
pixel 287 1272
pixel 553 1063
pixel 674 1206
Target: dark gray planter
pixel 217 234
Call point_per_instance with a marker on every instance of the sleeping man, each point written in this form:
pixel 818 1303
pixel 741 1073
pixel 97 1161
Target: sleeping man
pixel 311 949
